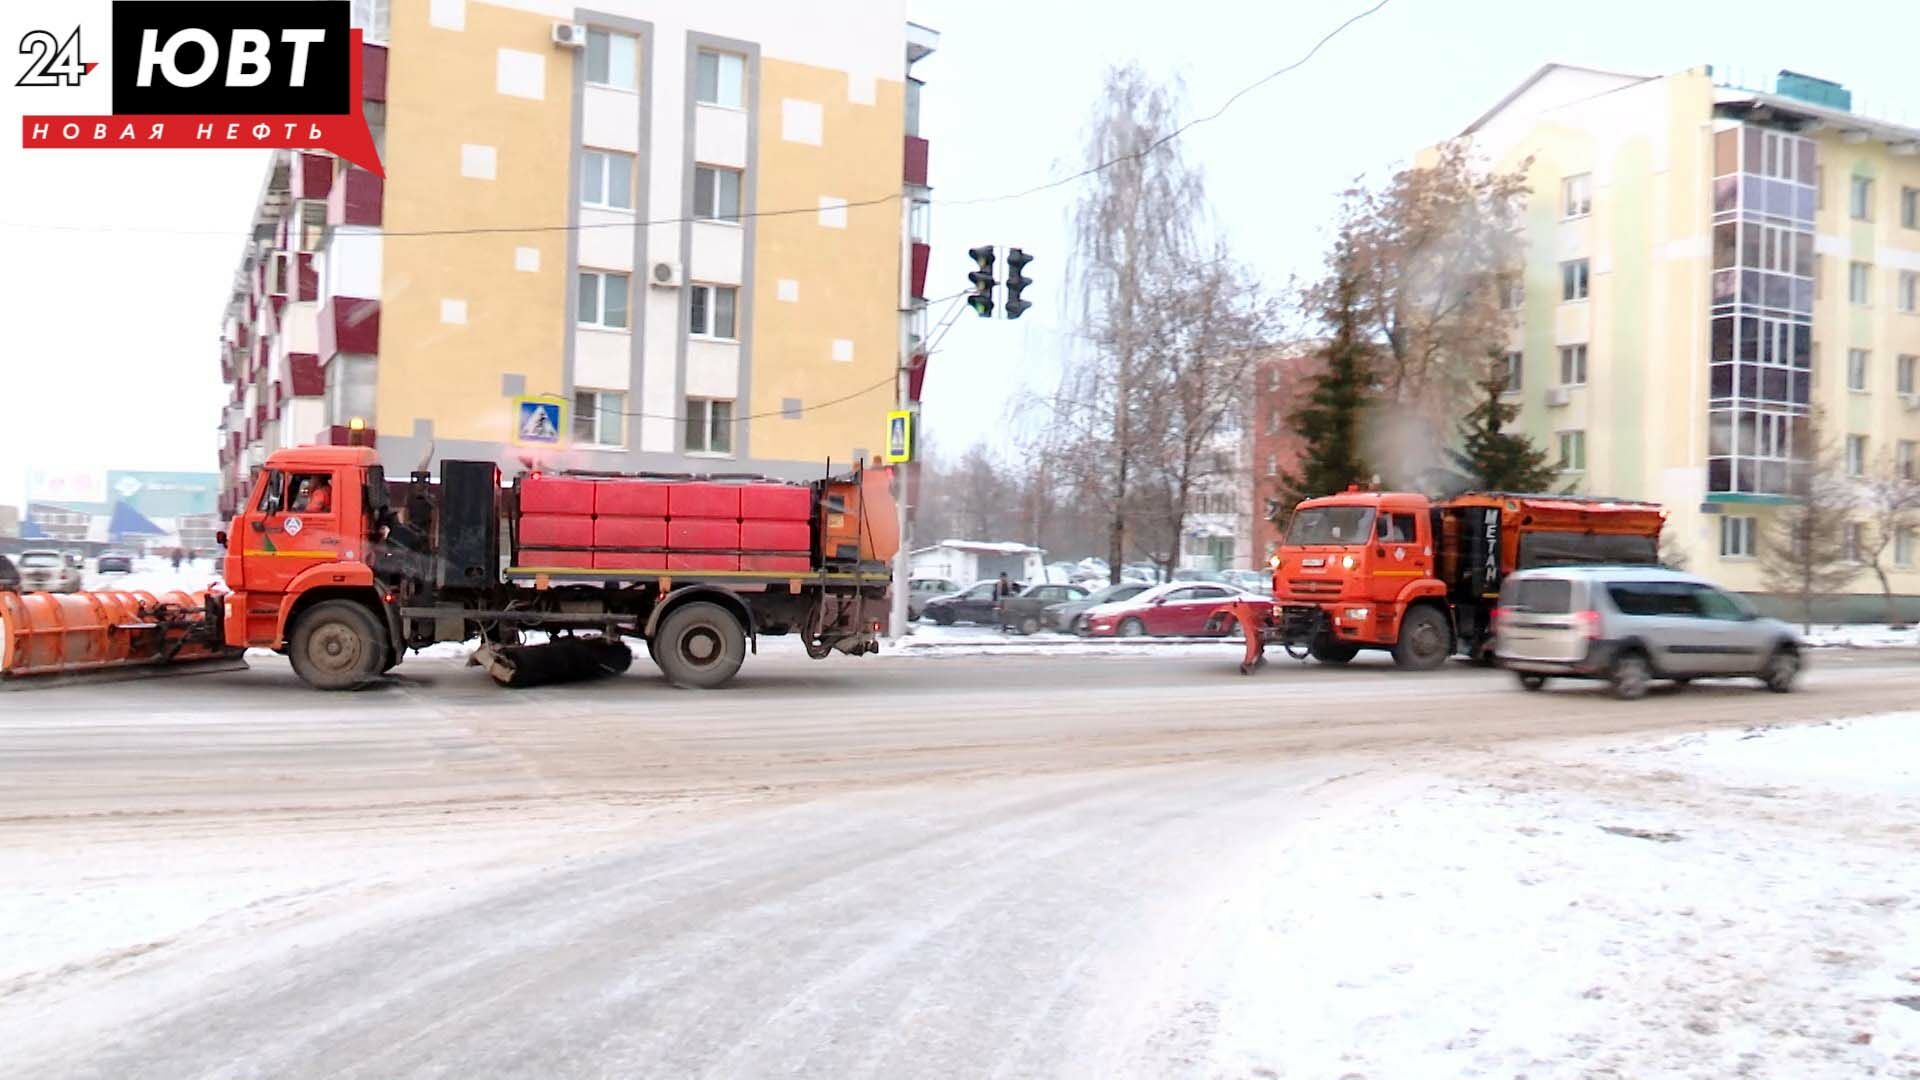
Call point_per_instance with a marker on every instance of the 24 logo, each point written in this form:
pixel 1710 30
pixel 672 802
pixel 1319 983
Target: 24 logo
pixel 54 63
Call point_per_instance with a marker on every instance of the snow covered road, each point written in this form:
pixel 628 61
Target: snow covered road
pixel 960 866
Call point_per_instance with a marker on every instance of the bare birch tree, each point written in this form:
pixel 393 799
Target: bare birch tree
pixel 1803 548
pixel 1890 499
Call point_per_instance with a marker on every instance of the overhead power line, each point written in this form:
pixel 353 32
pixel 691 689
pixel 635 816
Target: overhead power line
pixel 878 200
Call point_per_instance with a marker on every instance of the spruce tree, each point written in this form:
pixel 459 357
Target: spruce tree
pixel 1498 459
pixel 1328 421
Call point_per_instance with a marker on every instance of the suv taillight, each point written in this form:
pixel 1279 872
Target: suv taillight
pixel 1588 623
pixel 1500 614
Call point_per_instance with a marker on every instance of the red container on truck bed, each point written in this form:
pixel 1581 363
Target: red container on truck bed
pixel 630 498
pixel 702 561
pixel 567 559
pixel 780 564
pixel 776 502
pixel 629 560
pixel 556 495
pixel 556 531
pixel 703 534
pixel 629 532
pixel 775 536
pixel 703 500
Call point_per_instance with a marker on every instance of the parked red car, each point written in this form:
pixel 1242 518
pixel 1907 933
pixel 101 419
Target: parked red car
pixel 1176 609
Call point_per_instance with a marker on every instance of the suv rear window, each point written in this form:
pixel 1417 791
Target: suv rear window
pixel 40 558
pixel 1544 595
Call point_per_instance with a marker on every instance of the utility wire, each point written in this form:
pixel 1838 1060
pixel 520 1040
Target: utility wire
pixel 880 200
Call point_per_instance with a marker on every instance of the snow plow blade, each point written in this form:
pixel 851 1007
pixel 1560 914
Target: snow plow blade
pixel 49 639
pixel 563 660
pixel 1254 620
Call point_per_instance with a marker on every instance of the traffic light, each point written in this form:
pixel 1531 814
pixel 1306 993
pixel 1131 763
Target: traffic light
pixel 1017 261
pixel 981 301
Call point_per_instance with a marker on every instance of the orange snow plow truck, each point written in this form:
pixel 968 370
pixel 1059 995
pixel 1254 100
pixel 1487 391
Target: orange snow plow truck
pixel 1420 578
pixel 322 567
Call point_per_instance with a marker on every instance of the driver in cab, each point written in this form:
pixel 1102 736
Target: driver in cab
pixel 313 496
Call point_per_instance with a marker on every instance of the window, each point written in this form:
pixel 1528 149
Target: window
pixel 1513 292
pixel 1736 537
pixel 1273 421
pixel 611 59
pixel 1273 463
pixel 310 493
pixel 598 416
pixel 1903 373
pixel 1573 365
pixel 1903 546
pixel 712 310
pixel 1903 457
pixel 1860 283
pixel 1856 369
pixel 1856 455
pixel 373 18
pixel 1907 296
pixel 1510 371
pixel 1573 451
pixel 606 179
pixel 1573 280
pixel 1396 528
pixel 1860 205
pixel 603 299
pixel 1273 380
pixel 1576 196
pixel 1853 538
pixel 720 79
pixel 1910 208
pixel 709 426
pixel 716 193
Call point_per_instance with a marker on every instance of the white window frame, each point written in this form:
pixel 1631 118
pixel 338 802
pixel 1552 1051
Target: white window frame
pixel 602 163
pixel 1910 208
pixel 1903 545
pixel 603 280
pixel 1856 455
pixel 374 20
pixel 1859 362
pixel 1906 374
pixel 1573 360
pixel 633 57
pixel 1860 198
pixel 1853 537
pixel 720 80
pixel 1905 459
pixel 1581 286
pixel 702 408
pixel 1736 536
pixel 712 212
pixel 1575 440
pixel 605 403
pixel 1860 284
pixel 1906 296
pixel 1513 292
pixel 1576 196
pixel 1513 365
pixel 711 308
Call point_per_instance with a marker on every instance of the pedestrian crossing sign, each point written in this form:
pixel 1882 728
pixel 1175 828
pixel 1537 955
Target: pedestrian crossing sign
pixel 539 421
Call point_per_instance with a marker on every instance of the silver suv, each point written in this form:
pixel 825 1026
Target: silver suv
pixel 47 571
pixel 1631 625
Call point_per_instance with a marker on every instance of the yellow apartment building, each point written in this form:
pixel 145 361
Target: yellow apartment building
pixel 1708 263
pixel 699 229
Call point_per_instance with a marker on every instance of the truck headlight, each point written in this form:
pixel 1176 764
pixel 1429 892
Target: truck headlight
pixel 1358 614
pixel 1346 562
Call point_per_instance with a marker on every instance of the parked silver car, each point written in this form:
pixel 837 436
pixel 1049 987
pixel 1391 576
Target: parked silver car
pixel 1631 625
pixel 47 571
pixel 920 590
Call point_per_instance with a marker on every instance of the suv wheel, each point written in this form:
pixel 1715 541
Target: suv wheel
pixel 1781 669
pixel 1531 682
pixel 1630 676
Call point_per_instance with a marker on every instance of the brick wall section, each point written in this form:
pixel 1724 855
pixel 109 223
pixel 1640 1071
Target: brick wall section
pixel 1280 383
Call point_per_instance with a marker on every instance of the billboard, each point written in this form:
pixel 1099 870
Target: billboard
pixel 66 486
pixel 164 494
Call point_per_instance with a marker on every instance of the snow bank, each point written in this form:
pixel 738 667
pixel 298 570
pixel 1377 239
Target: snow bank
pixel 984 641
pixel 1862 636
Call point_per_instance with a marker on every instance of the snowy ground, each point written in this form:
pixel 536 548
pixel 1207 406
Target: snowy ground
pixel 1862 636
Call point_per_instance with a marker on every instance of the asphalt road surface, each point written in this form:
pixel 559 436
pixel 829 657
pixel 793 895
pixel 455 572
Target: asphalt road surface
pixel 884 866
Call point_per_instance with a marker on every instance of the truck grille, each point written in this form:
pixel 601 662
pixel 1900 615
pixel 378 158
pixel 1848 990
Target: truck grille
pixel 1315 588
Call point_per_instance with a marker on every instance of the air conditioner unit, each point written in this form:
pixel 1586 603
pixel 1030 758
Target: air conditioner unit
pixel 1558 396
pixel 570 35
pixel 665 274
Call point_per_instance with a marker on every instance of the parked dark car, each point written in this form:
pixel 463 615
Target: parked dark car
pixel 974 604
pixel 9 575
pixel 1021 613
pixel 115 562
pixel 1071 616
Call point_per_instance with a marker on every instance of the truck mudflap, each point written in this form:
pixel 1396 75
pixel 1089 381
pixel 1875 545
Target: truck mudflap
pixel 1292 627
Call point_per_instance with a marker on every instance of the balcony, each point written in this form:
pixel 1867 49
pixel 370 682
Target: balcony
pixel 349 324
pixel 373 72
pixel 304 376
pixel 312 176
pixel 355 199
pixel 306 278
pixel 921 253
pixel 916 160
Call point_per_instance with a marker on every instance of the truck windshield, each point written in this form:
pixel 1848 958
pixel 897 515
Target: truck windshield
pixel 1331 525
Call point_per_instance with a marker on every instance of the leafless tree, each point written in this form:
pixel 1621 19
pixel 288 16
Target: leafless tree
pixel 1803 548
pixel 1889 497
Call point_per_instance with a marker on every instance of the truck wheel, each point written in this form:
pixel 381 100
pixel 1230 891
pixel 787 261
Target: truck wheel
pixel 337 645
pixel 701 646
pixel 1425 640
pixel 1332 652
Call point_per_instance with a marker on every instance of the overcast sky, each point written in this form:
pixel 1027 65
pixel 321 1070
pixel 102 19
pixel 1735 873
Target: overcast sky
pixel 108 337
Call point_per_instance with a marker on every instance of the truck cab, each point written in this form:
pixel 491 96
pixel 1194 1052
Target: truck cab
pixel 1349 569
